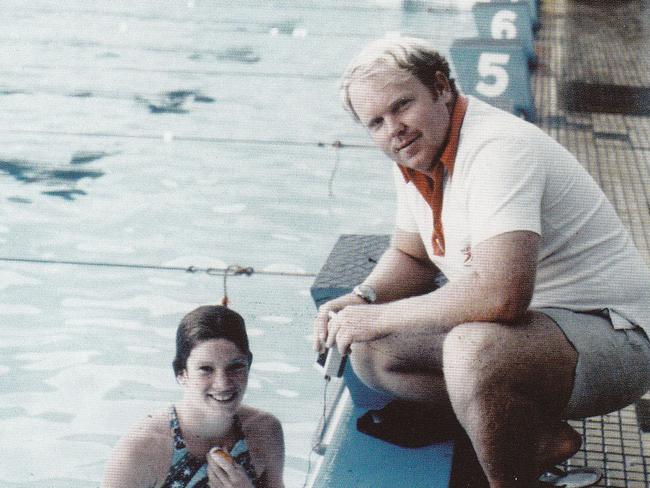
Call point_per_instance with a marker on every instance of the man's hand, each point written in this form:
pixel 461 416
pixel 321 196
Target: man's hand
pixel 346 320
pixel 359 323
pixel 323 317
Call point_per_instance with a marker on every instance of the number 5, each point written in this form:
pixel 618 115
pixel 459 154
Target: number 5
pixel 491 65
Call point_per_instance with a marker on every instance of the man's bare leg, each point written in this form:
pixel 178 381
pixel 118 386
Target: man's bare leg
pixel 508 385
pixel 409 369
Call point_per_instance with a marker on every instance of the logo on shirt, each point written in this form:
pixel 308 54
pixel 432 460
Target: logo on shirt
pixel 467 255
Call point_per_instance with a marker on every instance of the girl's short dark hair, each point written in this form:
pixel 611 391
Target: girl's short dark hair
pixel 205 323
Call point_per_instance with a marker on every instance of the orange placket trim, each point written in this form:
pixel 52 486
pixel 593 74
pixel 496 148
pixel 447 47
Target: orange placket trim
pixel 430 186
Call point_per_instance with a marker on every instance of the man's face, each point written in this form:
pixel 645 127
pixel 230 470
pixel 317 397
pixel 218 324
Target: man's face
pixel 402 118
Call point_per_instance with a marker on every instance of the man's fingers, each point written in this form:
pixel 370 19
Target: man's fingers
pixel 320 330
pixel 331 334
pixel 343 346
pixel 332 329
pixel 324 333
pixel 343 338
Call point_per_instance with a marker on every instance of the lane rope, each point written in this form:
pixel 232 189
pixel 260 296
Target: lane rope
pixel 231 270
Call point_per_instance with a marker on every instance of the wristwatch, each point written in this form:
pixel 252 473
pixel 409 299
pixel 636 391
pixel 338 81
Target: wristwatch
pixel 366 292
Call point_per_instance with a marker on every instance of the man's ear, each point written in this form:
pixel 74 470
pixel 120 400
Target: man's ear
pixel 182 378
pixel 441 83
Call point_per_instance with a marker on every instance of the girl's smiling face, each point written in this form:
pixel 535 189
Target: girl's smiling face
pixel 216 376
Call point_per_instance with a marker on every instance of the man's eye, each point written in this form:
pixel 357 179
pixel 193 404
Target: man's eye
pixel 237 367
pixel 374 124
pixel 206 369
pixel 403 102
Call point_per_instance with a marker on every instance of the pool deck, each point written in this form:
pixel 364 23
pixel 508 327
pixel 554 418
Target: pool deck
pixel 592 91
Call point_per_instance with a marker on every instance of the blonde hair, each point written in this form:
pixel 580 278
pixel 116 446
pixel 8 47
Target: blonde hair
pixel 400 57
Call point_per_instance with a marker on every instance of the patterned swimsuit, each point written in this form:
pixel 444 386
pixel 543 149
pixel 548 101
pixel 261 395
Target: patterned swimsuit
pixel 188 472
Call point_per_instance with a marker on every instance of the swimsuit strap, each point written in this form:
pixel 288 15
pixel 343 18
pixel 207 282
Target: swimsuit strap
pixel 241 454
pixel 179 443
pixel 186 471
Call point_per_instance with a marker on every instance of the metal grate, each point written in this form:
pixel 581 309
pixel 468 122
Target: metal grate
pixel 586 100
pixel 595 97
pixel 615 444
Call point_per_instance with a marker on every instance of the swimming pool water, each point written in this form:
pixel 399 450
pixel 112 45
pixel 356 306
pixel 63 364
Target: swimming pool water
pixel 172 134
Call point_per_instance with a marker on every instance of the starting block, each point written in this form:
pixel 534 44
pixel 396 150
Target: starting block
pixel 532 6
pixel 495 71
pixel 506 20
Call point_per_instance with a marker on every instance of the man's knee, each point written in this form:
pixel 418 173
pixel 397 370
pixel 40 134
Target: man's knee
pixel 532 358
pixel 371 364
pixel 474 354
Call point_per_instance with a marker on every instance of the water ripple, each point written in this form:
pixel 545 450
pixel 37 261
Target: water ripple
pixel 275 367
pixel 156 305
pixel 11 278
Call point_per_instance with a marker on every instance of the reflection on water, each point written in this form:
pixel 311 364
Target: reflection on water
pixel 175 101
pixel 239 54
pixel 83 157
pixel 81 94
pixel 86 351
pixel 32 172
pixel 288 26
pixel 65 194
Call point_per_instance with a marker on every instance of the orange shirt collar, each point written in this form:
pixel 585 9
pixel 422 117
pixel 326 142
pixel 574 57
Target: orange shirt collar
pixel 448 156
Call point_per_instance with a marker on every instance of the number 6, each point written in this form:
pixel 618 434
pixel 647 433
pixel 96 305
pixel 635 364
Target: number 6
pixel 503 25
pixel 491 65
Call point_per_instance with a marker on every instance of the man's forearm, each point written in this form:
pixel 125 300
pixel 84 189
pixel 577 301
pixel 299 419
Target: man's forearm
pixel 458 302
pixel 398 275
pixel 498 288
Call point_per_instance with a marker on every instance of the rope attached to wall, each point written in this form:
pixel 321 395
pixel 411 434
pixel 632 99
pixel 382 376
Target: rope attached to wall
pixel 232 270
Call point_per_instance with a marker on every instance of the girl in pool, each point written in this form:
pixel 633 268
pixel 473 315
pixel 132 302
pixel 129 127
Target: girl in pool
pixel 209 439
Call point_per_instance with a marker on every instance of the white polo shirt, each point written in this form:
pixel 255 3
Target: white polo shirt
pixel 509 176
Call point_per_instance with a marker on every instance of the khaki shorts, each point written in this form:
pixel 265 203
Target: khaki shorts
pixel 613 367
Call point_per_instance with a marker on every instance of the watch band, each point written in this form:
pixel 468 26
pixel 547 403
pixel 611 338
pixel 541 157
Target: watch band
pixel 366 292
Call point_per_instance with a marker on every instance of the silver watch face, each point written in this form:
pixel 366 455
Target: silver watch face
pixel 366 292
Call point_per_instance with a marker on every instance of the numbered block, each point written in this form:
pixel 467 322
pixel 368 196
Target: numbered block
pixel 506 20
pixel 495 71
pixel 532 9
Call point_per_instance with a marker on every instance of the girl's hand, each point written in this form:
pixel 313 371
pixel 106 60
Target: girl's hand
pixel 223 472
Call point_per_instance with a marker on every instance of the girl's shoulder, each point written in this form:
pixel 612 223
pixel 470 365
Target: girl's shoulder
pixel 150 440
pixel 143 455
pixel 154 429
pixel 258 422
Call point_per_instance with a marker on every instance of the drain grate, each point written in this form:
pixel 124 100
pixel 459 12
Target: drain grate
pixel 579 96
pixel 614 444
pixel 612 136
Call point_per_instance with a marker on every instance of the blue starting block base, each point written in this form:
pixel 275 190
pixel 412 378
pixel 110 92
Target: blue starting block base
pixel 357 460
pixel 352 458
